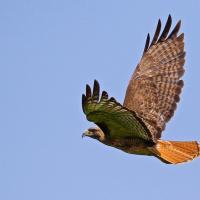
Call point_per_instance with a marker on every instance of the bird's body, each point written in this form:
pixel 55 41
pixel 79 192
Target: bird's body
pixel 150 101
pixel 131 145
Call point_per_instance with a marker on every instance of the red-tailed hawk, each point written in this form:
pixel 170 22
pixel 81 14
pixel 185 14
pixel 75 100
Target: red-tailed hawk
pixel 151 99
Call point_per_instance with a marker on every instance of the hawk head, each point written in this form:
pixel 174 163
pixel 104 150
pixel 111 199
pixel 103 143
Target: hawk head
pixel 95 133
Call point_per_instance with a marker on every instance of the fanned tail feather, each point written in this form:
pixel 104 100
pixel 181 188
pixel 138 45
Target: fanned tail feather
pixel 174 152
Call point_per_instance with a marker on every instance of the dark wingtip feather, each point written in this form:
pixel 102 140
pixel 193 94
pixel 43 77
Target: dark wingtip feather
pixel 146 44
pixel 104 95
pixel 96 84
pixel 157 32
pixel 164 34
pixel 96 89
pixel 88 91
pixel 175 30
pixel 113 99
pixel 84 100
pixel 166 29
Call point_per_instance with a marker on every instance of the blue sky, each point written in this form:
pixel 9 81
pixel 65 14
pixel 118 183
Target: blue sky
pixel 49 51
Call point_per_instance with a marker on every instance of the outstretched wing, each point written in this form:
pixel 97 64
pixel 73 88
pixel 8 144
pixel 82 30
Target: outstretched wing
pixel 115 120
pixel 155 86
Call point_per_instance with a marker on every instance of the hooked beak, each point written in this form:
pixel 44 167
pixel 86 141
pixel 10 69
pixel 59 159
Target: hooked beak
pixel 86 133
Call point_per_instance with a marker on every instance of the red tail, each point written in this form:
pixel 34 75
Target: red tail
pixel 173 152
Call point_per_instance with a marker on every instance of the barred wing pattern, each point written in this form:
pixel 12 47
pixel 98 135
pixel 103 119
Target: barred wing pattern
pixel 155 86
pixel 115 120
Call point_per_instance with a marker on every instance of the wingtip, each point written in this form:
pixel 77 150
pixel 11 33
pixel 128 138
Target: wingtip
pixel 179 22
pixel 104 95
pixel 95 81
pixel 156 34
pixel 175 30
pixel 170 17
pixel 88 91
pixel 159 22
pixel 166 29
pixel 83 102
pixel 164 33
pixel 147 43
pixel 96 84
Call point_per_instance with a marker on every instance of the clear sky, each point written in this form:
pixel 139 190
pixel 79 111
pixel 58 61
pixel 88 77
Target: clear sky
pixel 49 50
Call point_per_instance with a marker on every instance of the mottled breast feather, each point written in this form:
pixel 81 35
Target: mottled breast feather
pixel 155 86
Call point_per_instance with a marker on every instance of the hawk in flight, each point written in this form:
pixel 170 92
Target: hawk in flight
pixel 150 101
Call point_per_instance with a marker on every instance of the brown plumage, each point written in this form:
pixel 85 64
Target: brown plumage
pixel 150 101
pixel 155 86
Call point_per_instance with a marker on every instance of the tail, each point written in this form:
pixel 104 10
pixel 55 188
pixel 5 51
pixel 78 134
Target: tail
pixel 173 152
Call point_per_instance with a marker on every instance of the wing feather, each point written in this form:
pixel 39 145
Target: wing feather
pixel 157 32
pixel 114 119
pixel 95 96
pixel 155 86
pixel 146 44
pixel 88 91
pixel 166 29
